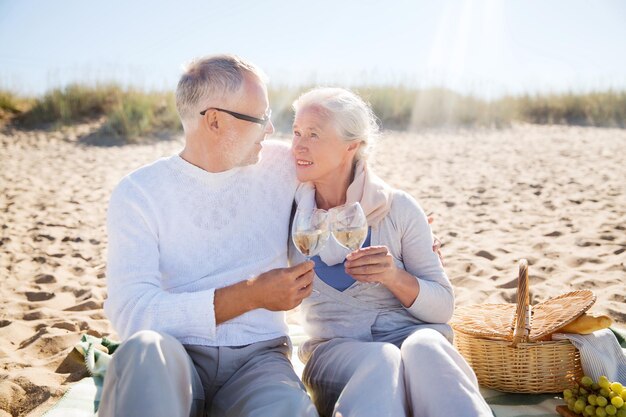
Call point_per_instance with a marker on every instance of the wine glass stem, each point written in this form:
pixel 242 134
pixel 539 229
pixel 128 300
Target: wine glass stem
pixel 313 291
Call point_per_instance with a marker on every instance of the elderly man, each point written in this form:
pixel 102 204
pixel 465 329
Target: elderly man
pixel 197 257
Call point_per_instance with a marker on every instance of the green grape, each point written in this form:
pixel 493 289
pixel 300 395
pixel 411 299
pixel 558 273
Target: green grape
pixel 602 401
pixel 595 386
pixel 604 392
pixel 600 412
pixel 613 394
pixel 603 381
pixel 583 391
pixel 610 410
pixel 617 387
pixel 592 399
pixel 623 394
pixel 586 381
pixel 590 410
pixel 618 402
pixel 579 406
pixel 621 412
pixel 567 394
pixel 571 402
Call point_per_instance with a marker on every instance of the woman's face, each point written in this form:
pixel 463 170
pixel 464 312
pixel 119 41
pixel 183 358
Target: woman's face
pixel 320 153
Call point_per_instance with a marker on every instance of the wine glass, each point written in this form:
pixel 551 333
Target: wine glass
pixel 349 225
pixel 310 231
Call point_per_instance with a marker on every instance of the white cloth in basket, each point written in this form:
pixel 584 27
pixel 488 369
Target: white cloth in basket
pixel 600 354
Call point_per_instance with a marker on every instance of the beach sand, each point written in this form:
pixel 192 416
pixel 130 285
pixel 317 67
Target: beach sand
pixel 553 195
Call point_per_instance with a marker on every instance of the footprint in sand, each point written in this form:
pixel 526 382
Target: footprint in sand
pixel 65 325
pixel 39 238
pixel 4 323
pixel 80 255
pixel 485 254
pixel 78 292
pixel 585 243
pixel 617 315
pixel 33 338
pixel 510 297
pixel 39 296
pixel 33 315
pixel 45 279
pixel 547 269
pixel 509 284
pixel 556 233
pixel 574 261
pixel 87 305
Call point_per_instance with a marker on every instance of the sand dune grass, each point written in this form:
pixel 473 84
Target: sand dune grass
pixel 129 113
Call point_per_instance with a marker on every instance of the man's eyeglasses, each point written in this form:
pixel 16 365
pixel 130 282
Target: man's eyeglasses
pixel 263 122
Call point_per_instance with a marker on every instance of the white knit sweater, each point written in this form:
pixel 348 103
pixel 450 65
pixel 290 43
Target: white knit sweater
pixel 177 233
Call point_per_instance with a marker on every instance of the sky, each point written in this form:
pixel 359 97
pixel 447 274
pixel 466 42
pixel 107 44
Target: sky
pixel 487 48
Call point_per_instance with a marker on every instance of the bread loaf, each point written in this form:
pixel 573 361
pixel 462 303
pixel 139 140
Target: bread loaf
pixel 587 323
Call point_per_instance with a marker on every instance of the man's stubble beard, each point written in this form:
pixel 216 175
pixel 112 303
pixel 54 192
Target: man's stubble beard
pixel 233 153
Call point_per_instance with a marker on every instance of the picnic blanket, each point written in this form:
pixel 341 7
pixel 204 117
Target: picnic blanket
pixel 83 397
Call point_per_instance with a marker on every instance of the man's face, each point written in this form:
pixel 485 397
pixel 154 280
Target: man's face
pixel 242 138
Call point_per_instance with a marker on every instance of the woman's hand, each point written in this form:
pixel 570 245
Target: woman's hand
pixel 436 240
pixel 375 264
pixel 371 264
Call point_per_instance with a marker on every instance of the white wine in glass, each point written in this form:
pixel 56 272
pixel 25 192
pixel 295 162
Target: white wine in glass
pixel 310 242
pixel 351 237
pixel 349 225
pixel 309 231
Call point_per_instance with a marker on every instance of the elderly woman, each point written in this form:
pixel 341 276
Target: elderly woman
pixel 378 340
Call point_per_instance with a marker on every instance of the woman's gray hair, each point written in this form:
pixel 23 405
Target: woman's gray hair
pixel 352 116
pixel 208 78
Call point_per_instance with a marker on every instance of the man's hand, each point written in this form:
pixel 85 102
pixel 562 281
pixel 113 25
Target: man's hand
pixel 278 290
pixel 284 288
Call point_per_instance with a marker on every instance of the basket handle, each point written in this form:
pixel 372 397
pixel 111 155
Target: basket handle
pixel 523 312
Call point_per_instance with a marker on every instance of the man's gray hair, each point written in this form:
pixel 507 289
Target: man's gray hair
pixel 209 78
pixel 352 116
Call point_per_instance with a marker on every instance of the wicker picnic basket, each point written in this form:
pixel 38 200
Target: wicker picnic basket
pixel 509 346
